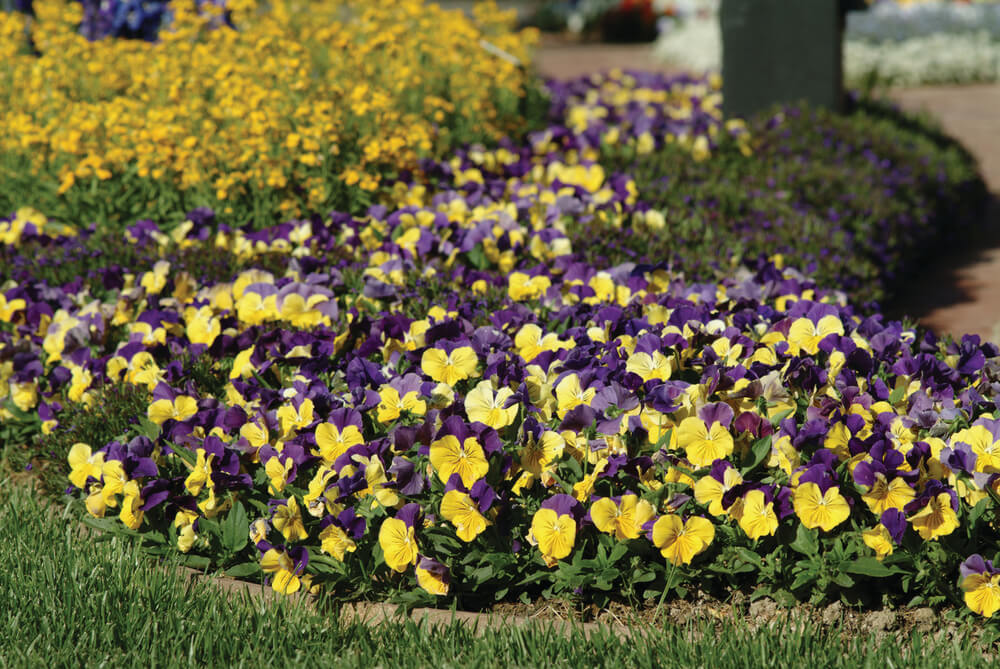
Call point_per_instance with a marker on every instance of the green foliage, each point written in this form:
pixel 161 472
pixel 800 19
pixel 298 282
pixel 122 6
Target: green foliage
pixel 115 410
pixel 855 201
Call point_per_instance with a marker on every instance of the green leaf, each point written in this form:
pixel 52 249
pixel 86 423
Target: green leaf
pixel 111 526
pixel 869 566
pixel 148 428
pixel 243 570
pixel 843 580
pixel 199 562
pixel 477 257
pixel 210 526
pixel 976 512
pixel 749 556
pixel 776 420
pixel 805 578
pixel 235 528
pixel 806 541
pixel 617 553
pixel 759 450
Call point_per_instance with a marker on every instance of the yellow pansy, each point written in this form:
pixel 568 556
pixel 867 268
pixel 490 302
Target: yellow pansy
pixel 467 459
pixel 449 367
pixel 820 509
pixel 680 541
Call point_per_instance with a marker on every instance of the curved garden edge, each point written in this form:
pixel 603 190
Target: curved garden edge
pixel 560 617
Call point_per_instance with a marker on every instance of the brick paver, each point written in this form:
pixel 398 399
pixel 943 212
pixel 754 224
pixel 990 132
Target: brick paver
pixel 565 58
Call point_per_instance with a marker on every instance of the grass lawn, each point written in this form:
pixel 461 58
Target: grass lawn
pixel 70 600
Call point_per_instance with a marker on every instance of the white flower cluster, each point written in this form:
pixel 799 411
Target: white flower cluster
pixel 890 21
pixel 695 44
pixel 890 43
pixel 928 59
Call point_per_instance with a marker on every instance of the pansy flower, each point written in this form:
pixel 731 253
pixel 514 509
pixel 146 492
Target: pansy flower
pixel 201 472
pixel 817 506
pixel 934 512
pixel 397 538
pixel 570 394
pixel 457 450
pixel 521 287
pixel 623 517
pixel 805 334
pixel 433 576
pixel 376 479
pixel 294 416
pixel 706 437
pixel 756 514
pixel 287 567
pixel 131 513
pixel 287 519
pixel 170 405
pixel 650 366
pixel 487 405
pixel 681 540
pixel 461 509
pixel 84 464
pixel 399 395
pixel 280 469
pixel 449 366
pixel 887 534
pixel 884 489
pixel 201 325
pixel 530 342
pixel 983 438
pixel 980 581
pixel 554 526
pixel 539 453
pixel 338 533
pixel 711 488
pixel 339 432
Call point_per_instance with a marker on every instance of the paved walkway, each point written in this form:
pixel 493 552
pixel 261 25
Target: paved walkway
pixel 960 291
pixel 957 293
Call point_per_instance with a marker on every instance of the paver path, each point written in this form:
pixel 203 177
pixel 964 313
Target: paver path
pixel 958 292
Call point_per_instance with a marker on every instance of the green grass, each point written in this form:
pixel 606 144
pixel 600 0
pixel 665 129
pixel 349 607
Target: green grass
pixel 71 599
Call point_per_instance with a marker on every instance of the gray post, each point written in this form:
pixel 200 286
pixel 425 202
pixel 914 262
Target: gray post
pixel 781 51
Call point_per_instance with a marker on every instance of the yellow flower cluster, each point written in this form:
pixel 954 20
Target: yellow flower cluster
pixel 302 99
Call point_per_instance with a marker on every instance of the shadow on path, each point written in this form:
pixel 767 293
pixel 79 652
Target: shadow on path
pixel 959 290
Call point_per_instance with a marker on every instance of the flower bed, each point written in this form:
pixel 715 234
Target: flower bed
pixel 445 398
pixel 303 108
pixel 857 201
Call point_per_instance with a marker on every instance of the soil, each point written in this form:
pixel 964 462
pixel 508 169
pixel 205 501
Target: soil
pixel 625 620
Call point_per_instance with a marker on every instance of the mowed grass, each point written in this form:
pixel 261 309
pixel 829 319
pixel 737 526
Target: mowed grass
pixel 70 600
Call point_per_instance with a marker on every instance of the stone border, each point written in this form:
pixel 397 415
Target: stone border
pixel 375 613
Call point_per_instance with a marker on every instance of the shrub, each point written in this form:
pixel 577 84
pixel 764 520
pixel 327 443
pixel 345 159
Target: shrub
pixel 856 201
